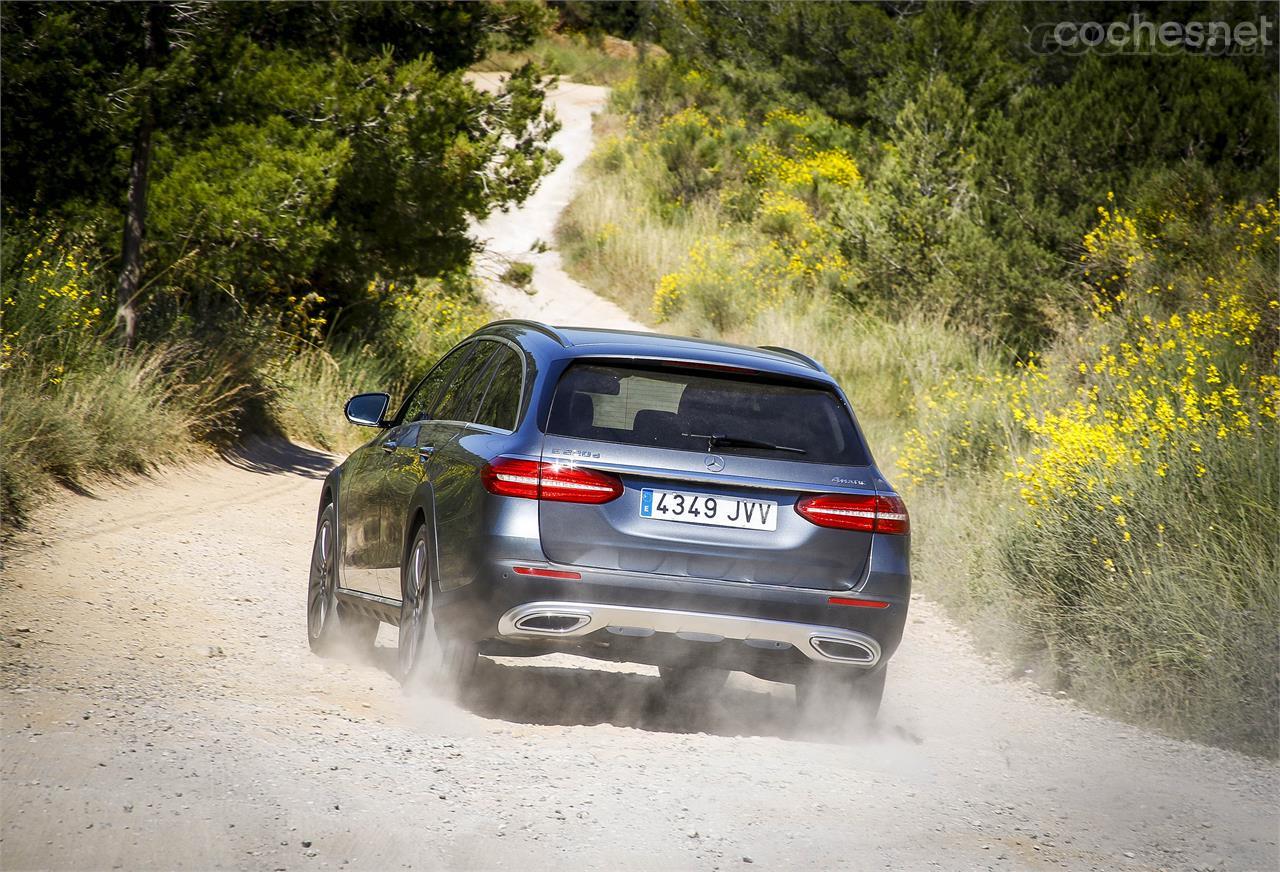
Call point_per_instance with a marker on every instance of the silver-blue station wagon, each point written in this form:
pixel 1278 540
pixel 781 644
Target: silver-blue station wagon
pixel 697 506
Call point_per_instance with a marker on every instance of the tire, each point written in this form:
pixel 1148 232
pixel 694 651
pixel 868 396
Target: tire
pixel 428 658
pixel 331 624
pixel 692 682
pixel 830 701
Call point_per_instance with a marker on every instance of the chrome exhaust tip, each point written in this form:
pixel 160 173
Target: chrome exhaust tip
pixel 551 623
pixel 844 650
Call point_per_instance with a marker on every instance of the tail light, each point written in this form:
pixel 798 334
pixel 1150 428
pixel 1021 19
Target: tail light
pixel 531 480
pixel 878 513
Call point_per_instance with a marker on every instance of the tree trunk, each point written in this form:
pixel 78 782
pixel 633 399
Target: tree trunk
pixel 135 221
pixel 135 225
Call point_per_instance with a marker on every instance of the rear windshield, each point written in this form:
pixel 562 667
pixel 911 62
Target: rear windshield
pixel 696 410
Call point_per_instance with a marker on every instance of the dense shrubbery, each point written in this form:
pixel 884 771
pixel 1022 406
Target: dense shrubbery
pixel 1065 342
pixel 276 160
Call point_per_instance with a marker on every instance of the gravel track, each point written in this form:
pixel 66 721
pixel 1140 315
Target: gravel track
pixel 161 709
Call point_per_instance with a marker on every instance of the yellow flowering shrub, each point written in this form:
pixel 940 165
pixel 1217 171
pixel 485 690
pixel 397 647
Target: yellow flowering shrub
pixel 729 280
pixel 789 158
pixel 796 249
pixel 1170 383
pixel 784 215
pixel 969 423
pixel 1113 249
pixel 725 280
pixel 1132 472
pixel 691 146
pixel 53 298
pixel 769 166
pixel 429 317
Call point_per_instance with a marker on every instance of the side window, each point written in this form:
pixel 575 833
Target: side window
pixel 501 403
pixel 454 405
pixel 421 402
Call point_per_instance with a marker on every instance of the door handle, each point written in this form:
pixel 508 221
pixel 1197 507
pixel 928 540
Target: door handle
pixel 389 446
pixel 425 452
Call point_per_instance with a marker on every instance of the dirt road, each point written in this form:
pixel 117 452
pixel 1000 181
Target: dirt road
pixel 161 709
pixel 522 234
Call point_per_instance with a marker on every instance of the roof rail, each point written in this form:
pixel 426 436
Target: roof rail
pixel 803 358
pixel 533 325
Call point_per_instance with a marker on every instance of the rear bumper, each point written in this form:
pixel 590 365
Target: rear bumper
pixel 767 630
pixel 565 620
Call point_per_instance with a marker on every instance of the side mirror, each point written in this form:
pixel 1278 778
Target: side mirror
pixel 367 410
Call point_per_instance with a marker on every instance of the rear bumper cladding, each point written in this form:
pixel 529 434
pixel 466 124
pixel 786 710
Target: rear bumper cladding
pixel 567 620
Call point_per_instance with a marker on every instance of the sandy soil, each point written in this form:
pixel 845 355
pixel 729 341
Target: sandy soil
pixel 161 709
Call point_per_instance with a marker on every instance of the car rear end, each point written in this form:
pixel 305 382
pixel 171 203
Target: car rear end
pixel 698 509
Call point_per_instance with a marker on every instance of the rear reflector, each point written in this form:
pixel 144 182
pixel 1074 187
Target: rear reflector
pixel 532 480
pixel 860 603
pixel 546 573
pixel 869 513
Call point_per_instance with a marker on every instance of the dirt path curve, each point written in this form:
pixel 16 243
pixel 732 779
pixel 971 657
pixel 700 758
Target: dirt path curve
pixel 553 297
pixel 161 709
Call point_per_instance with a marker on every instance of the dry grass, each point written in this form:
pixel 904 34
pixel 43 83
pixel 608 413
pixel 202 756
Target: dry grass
pixel 574 57
pixel 614 243
pixel 112 413
pixel 311 387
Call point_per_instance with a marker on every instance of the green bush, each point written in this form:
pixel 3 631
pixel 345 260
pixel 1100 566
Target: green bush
pixel 518 274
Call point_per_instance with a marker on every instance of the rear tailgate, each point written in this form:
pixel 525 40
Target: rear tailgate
pixel 704 510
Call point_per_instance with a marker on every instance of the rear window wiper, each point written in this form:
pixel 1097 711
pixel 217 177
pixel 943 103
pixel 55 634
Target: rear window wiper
pixel 714 439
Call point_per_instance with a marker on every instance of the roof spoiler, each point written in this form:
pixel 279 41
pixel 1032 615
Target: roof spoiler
pixel 546 329
pixel 803 358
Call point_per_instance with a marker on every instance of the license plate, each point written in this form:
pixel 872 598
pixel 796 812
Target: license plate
pixel 715 511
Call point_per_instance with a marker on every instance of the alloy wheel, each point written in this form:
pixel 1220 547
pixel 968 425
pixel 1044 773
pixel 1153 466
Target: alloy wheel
pixel 320 588
pixel 415 612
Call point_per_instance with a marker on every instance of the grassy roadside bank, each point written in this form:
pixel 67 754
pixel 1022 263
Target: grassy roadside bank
pixel 77 407
pixel 1101 506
